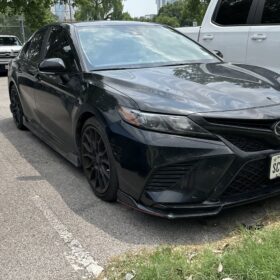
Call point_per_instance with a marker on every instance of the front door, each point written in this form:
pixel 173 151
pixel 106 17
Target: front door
pixel 59 92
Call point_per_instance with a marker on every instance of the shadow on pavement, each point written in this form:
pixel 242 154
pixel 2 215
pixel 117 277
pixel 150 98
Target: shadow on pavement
pixel 117 221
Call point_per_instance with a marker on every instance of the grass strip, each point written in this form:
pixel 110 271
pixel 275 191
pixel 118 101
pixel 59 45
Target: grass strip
pixel 254 255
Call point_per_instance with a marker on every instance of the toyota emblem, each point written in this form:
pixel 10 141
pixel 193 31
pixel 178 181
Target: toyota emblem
pixel 277 128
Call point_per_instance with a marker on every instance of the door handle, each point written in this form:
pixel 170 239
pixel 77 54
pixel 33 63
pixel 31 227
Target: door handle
pixel 208 37
pixel 258 37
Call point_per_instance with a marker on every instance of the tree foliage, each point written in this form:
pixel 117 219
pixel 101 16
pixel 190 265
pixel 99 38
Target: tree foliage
pixel 182 12
pixel 36 12
pixel 99 9
pixel 171 21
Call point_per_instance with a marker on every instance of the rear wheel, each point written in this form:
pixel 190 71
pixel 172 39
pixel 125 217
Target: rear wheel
pixel 16 109
pixel 97 161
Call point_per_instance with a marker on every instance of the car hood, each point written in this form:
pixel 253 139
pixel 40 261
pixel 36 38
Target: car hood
pixel 196 88
pixel 10 48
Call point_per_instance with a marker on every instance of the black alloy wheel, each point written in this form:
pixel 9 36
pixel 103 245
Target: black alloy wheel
pixel 16 109
pixel 97 160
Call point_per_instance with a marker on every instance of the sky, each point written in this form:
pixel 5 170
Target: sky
pixel 138 8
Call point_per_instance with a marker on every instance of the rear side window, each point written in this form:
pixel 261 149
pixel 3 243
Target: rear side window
pixel 233 12
pixel 34 51
pixel 271 12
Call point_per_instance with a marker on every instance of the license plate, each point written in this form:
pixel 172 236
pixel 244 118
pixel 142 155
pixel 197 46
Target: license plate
pixel 7 67
pixel 275 167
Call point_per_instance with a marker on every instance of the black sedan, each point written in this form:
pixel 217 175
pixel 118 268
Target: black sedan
pixel 156 121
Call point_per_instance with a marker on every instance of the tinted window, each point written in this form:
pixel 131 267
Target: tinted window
pixel 58 46
pixel 24 50
pixel 233 12
pixel 137 45
pixel 9 41
pixel 271 12
pixel 34 51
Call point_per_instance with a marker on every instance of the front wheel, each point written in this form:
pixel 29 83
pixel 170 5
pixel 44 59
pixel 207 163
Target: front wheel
pixel 97 161
pixel 16 109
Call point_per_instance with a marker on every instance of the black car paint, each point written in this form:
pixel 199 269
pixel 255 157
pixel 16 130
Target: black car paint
pixel 56 106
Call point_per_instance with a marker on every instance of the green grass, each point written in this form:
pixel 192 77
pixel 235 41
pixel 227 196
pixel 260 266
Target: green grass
pixel 255 256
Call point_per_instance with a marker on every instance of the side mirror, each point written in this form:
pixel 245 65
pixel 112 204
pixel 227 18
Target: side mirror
pixel 218 53
pixel 52 65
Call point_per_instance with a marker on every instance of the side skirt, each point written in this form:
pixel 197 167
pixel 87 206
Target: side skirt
pixel 42 135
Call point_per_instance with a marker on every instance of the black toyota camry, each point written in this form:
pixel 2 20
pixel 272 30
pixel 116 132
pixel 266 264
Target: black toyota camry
pixel 156 121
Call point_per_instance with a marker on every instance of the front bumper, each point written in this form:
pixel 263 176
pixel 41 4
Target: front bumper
pixel 4 63
pixel 176 177
pixel 204 209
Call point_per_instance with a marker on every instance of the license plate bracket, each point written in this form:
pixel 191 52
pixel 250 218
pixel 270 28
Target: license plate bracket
pixel 274 171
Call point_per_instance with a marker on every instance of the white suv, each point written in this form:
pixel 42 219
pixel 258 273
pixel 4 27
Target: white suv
pixel 245 31
pixel 9 48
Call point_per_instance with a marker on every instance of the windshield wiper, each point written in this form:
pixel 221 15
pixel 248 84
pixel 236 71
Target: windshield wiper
pixel 173 64
pixel 109 69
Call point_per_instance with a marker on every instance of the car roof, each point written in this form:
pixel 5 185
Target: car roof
pixel 110 23
pixel 105 23
pixel 68 25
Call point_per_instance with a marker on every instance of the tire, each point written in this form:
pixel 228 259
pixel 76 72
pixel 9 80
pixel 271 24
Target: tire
pixel 97 161
pixel 16 109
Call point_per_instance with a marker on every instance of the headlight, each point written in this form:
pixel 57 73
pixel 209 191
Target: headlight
pixel 158 122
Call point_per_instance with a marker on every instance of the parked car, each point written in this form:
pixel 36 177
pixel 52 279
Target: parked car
pixel 158 122
pixel 244 31
pixel 9 49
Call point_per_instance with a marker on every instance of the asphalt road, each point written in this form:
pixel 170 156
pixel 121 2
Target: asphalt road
pixel 53 227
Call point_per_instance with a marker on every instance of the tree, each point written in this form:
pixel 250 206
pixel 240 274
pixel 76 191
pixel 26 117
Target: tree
pixel 171 21
pixel 36 12
pixel 173 10
pixel 126 16
pixel 182 12
pixel 194 11
pixel 99 9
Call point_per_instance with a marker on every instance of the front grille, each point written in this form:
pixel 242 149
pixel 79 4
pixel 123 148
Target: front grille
pixel 247 135
pixel 245 123
pixel 8 55
pixel 248 144
pixel 253 177
pixel 5 55
pixel 170 177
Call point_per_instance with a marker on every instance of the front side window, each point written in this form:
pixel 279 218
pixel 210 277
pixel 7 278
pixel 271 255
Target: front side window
pixel 9 41
pixel 130 46
pixel 271 12
pixel 34 51
pixel 58 46
pixel 233 12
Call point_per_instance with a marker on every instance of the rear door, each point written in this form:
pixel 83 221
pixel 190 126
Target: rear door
pixel 264 37
pixel 27 73
pixel 226 28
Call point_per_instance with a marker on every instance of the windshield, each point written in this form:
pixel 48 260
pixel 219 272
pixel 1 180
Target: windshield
pixel 127 46
pixel 9 41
